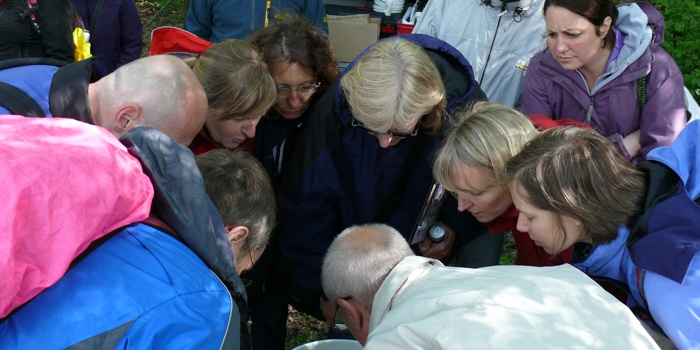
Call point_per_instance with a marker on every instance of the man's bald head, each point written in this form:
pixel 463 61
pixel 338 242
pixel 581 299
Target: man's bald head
pixel 158 91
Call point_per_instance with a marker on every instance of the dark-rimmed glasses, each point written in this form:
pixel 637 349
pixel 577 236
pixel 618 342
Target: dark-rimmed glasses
pixel 339 327
pixel 395 134
pixel 302 90
pixel 247 282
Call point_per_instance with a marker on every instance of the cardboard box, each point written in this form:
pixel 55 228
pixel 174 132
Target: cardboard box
pixel 350 35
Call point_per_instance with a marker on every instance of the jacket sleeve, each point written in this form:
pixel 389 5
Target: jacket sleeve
pixel 310 220
pixel 316 13
pixel 199 18
pixel 131 37
pixel 194 321
pixel 534 97
pixel 56 26
pixel 217 20
pixel 664 114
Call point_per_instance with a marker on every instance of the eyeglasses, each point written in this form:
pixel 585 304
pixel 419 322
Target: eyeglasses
pixel 395 134
pixel 338 324
pixel 248 281
pixel 302 90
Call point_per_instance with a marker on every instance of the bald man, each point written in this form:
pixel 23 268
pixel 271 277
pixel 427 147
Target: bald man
pixel 391 299
pixel 158 91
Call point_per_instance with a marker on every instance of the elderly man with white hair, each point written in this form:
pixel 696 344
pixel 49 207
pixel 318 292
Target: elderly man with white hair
pixel 391 299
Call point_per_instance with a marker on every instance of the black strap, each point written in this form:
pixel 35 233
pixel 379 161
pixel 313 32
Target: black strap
pixel 19 102
pixel 95 15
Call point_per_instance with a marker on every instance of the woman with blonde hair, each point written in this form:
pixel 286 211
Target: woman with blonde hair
pixel 471 165
pixel 364 154
pixel 239 90
pixel 638 226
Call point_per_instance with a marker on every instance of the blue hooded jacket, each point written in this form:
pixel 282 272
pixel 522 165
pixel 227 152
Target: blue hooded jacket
pixel 147 286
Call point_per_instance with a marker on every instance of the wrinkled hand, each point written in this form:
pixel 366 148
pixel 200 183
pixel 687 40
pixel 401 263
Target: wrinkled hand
pixel 632 144
pixel 440 250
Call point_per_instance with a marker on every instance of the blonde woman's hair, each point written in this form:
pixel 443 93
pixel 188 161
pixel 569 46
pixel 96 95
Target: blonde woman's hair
pixel 235 79
pixel 393 85
pixel 487 136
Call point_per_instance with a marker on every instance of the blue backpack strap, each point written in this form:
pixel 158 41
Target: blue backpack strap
pixel 18 102
pixel 14 99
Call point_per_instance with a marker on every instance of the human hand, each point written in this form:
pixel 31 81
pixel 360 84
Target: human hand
pixel 439 250
pixel 632 143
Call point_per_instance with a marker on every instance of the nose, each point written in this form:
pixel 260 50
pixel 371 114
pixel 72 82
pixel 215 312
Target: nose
pixel 561 45
pixel 463 203
pixel 294 99
pixel 522 224
pixel 384 140
pixel 249 128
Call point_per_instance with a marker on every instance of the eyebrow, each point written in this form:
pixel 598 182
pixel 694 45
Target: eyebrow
pixel 473 190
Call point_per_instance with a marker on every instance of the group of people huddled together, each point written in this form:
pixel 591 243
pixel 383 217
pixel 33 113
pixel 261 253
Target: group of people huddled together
pixel 166 204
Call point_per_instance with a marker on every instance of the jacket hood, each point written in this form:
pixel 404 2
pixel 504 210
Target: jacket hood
pixel 524 7
pixel 181 200
pixel 66 184
pixel 456 72
pixel 631 26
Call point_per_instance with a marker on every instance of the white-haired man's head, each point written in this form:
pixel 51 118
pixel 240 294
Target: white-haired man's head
pixel 355 266
pixel 158 91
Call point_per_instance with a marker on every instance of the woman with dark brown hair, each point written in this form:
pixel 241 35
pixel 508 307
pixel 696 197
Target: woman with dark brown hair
pixel 605 66
pixel 303 67
pixel 302 64
pixel 639 227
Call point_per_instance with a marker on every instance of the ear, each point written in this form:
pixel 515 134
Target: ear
pixel 357 318
pixel 236 234
pixel 127 117
pixel 605 27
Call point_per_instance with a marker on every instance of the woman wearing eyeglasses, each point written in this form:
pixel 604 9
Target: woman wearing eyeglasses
pixel 239 90
pixel 303 67
pixel 364 154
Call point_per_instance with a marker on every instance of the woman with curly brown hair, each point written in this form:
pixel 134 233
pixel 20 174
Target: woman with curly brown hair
pixel 303 67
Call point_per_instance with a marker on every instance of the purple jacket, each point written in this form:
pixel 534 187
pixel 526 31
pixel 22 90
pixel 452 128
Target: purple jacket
pixel 611 108
pixel 118 35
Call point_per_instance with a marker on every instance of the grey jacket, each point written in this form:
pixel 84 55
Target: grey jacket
pixel 498 46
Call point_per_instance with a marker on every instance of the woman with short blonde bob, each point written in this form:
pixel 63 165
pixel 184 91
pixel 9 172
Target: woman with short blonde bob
pixel 471 165
pixel 373 92
pixel 364 153
pixel 637 226
pixel 239 90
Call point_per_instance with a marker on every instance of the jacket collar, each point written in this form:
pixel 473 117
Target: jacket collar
pixel 407 269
